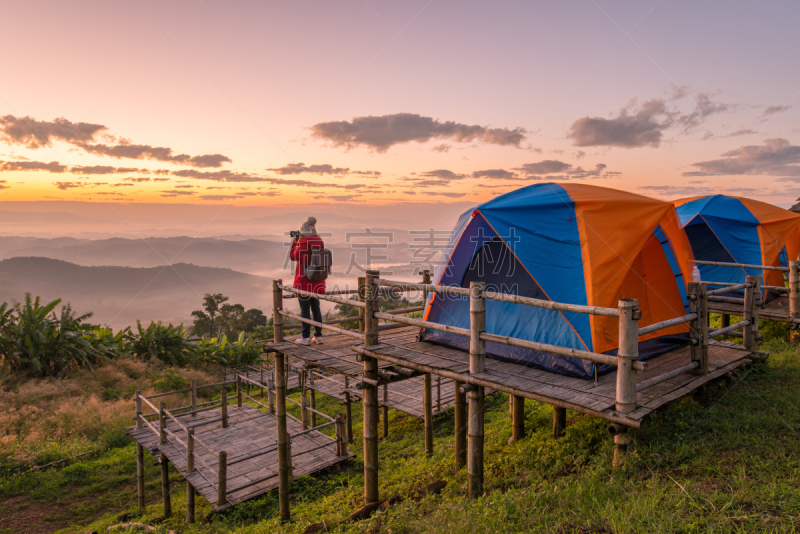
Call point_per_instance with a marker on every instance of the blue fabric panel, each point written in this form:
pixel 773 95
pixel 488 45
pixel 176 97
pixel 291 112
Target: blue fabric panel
pixel 539 225
pixel 673 264
pixel 736 230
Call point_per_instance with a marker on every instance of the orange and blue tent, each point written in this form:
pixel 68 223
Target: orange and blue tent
pixel 730 229
pixel 571 243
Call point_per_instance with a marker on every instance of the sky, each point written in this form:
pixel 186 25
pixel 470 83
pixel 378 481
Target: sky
pixel 393 104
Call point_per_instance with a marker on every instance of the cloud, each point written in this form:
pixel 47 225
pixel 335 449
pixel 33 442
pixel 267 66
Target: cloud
pixel 495 174
pixel 771 110
pixel 36 134
pixel 380 133
pixel 131 151
pixel 218 176
pixel 141 179
pixel 122 185
pixel 547 166
pixel 776 157
pixel 640 126
pixel 187 186
pixel 444 194
pixel 176 193
pixel 162 179
pixel 443 174
pixel 558 170
pixel 444 148
pixel 301 168
pixel 218 197
pixel 53 166
pixel 746 131
pixel 69 185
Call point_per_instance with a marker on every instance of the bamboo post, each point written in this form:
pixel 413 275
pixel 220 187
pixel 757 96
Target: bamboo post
pixel 238 391
pixel 627 353
pixel 277 307
pixel 224 401
pixel 162 423
pixel 794 299
pixel 385 409
pixel 139 457
pixel 189 470
pixel 477 363
pixel 750 296
pixel 348 411
pixel 303 401
pixel 194 398
pixel 369 396
pixel 426 279
pixel 283 437
pixel 222 477
pixel 698 329
pixel 261 381
pixel 517 418
pixel 460 416
pixel 427 406
pixel 754 313
pixel 313 395
pixel 362 284
pixel 165 485
pixel 725 320
pixel 438 394
pixel 559 421
pixel 270 395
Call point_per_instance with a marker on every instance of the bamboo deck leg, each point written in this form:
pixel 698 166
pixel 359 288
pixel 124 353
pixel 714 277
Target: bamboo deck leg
pixel 751 294
pixel 725 321
pixel 139 457
pixel 385 410
pixel 438 394
pixel 303 401
pixel 427 406
pixel 559 421
pixel 222 479
pixel 460 408
pixel 794 299
pixel 194 398
pixel 283 437
pixel 517 418
pixel 369 396
pixel 224 407
pixel 477 363
pixel 165 485
pixel 626 375
pixel 189 470
pixel 348 410
pixel 698 329
pixel 270 395
pixel 313 395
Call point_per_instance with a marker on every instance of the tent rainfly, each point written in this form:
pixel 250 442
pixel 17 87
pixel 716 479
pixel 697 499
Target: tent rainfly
pixel 739 230
pixel 570 243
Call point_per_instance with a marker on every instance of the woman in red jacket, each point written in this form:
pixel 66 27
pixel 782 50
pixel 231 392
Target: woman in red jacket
pixel 301 253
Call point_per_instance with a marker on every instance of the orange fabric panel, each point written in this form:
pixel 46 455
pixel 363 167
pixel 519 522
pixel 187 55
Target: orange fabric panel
pixel 682 201
pixel 614 227
pixel 778 228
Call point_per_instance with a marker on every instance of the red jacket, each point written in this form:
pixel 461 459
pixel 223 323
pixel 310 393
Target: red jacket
pixel 301 253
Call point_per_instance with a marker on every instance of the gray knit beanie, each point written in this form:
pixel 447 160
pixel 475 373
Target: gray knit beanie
pixel 309 227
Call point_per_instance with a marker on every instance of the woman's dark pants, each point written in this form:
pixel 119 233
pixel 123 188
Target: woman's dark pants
pixel 307 306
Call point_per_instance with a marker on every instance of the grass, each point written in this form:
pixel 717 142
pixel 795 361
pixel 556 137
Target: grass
pixel 728 463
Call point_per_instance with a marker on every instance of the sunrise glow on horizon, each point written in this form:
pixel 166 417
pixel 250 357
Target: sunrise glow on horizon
pixel 386 104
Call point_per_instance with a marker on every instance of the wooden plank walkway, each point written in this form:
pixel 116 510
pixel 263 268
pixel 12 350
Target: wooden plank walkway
pixel 775 310
pixel 251 443
pixel 336 359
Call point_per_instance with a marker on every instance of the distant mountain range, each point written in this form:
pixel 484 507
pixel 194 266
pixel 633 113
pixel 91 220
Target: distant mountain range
pixel 120 295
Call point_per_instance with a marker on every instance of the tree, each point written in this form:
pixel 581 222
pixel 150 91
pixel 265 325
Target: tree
pixel 252 319
pixel 205 321
pixel 230 321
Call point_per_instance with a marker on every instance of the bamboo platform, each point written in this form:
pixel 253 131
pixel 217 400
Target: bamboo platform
pixel 262 373
pixel 573 393
pixel 249 441
pixel 775 310
pixel 337 360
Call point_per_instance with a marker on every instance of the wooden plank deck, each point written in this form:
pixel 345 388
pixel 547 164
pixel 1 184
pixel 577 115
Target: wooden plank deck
pixel 251 443
pixel 581 395
pixel 775 310
pixel 336 359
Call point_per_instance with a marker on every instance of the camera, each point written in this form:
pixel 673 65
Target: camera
pixel 294 234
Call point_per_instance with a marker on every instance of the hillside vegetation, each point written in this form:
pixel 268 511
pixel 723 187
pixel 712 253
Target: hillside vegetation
pixel 726 462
